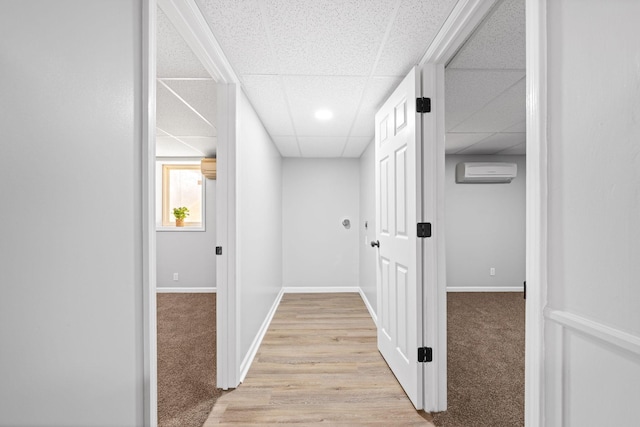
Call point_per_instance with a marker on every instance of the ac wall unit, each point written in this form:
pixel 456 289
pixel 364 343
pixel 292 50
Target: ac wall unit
pixel 478 172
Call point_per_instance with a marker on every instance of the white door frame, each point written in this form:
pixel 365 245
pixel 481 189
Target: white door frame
pixel 537 208
pixel 186 17
pixel 150 353
pixel 464 18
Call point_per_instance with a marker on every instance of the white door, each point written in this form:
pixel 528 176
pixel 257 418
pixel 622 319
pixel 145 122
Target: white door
pixel 399 253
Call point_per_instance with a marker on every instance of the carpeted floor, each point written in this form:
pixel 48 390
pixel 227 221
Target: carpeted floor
pixel 186 359
pixel 485 335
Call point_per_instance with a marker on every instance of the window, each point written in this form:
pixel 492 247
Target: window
pixel 182 185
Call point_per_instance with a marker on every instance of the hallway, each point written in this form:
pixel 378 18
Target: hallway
pixel 311 369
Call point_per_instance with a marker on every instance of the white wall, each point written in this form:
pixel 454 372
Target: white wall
pixel 368 255
pixel 259 223
pixel 71 255
pixel 191 254
pixel 594 212
pixel 485 227
pixel 317 195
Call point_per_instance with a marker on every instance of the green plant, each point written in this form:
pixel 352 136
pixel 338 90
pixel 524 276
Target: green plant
pixel 181 213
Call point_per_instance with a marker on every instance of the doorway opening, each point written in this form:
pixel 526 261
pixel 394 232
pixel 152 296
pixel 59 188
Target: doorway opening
pixel 485 124
pixel 186 132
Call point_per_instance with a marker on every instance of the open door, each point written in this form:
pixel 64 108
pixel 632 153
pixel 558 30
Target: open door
pixel 398 206
pixel 410 276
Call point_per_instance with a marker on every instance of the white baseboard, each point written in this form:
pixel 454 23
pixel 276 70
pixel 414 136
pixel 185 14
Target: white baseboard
pixel 319 289
pixel 255 345
pixel 186 290
pixel 485 289
pixel 372 312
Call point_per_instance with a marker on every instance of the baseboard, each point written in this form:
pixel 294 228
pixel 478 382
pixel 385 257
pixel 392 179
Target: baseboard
pixel 255 345
pixel 319 289
pixel 485 289
pixel 372 313
pixel 186 290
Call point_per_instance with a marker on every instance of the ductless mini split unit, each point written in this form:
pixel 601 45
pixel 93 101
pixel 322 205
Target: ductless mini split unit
pixel 491 173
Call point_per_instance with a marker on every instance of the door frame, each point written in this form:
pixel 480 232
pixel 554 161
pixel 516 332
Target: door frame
pixel 188 20
pixel 462 21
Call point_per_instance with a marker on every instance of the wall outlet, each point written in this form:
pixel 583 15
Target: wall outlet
pixel 492 271
pixel 175 277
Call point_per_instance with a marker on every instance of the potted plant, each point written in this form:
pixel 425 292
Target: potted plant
pixel 180 213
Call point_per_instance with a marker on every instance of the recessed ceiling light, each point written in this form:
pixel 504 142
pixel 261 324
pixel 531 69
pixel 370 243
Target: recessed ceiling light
pixel 324 114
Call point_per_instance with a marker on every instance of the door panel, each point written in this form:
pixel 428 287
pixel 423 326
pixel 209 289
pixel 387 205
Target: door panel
pixel 397 210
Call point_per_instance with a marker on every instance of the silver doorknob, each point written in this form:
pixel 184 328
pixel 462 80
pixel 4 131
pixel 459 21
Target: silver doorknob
pixel 374 244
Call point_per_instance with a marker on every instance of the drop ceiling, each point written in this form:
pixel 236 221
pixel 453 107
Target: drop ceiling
pixel 295 57
pixel 185 98
pixel 485 87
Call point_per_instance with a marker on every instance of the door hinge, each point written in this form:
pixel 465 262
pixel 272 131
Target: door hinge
pixel 424 229
pixel 425 354
pixel 218 250
pixel 423 105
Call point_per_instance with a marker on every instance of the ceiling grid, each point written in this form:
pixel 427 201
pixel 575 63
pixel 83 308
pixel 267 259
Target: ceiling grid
pixel 295 57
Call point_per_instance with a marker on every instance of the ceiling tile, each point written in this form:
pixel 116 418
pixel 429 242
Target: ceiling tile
pixel 267 97
pixel 499 41
pixel 287 145
pixel 238 27
pixel 518 150
pixel 416 24
pixel 327 37
pixel 455 142
pixel 375 94
pixel 174 57
pixel 174 117
pixel 307 94
pixel 167 146
pixel 321 146
pixel 503 112
pixel 207 145
pixel 356 146
pixel 520 127
pixel 467 91
pixel 495 143
pixel 199 94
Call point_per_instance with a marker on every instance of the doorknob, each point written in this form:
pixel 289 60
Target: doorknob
pixel 374 244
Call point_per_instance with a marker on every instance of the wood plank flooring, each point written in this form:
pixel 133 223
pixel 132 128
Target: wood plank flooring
pixel 318 364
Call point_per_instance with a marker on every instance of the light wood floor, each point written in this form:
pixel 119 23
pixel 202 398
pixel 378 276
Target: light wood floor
pixel 318 364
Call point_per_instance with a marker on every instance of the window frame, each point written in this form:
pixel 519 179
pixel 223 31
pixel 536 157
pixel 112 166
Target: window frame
pixel 163 169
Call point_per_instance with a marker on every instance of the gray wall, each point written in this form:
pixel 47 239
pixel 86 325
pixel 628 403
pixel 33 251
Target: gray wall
pixel 368 255
pixel 191 254
pixel 317 195
pixel 485 227
pixel 259 207
pixel 594 211
pixel 71 256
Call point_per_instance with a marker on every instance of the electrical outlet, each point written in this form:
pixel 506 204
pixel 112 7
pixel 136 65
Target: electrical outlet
pixel 492 271
pixel 175 277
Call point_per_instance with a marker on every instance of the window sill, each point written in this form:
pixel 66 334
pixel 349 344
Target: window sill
pixel 187 228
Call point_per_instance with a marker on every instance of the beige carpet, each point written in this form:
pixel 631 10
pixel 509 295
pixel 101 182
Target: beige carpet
pixel 485 360
pixel 186 359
